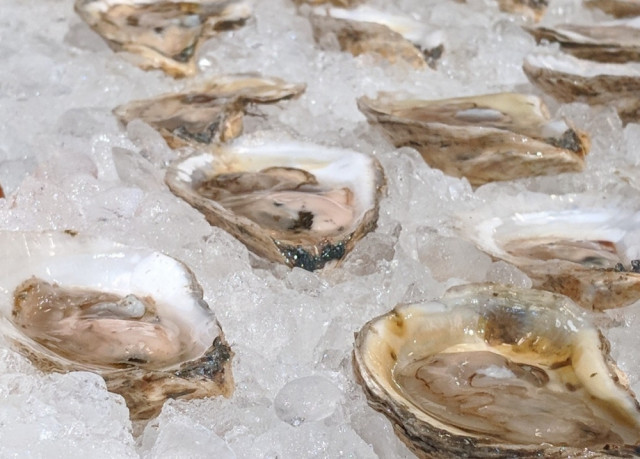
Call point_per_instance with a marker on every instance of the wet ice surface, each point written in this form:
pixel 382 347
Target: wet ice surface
pixel 66 163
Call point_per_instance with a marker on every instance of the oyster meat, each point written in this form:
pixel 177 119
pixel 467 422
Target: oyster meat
pixel 617 41
pixel 209 114
pixel 163 34
pixel 134 316
pixel 294 203
pixel 367 30
pixel 483 138
pixel 532 9
pixel 492 372
pixel 572 245
pixel 569 79
pixel 617 8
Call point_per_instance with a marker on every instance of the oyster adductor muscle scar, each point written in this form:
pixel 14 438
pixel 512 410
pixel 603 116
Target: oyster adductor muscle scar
pixel 136 317
pixel 490 371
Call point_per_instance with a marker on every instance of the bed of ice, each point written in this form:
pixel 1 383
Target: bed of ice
pixel 65 163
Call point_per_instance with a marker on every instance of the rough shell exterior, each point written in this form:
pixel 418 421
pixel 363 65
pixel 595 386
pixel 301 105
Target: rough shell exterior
pixel 480 150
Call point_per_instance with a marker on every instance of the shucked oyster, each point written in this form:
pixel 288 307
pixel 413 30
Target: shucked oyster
pixel 493 372
pixel 573 245
pixel 483 138
pixel 617 41
pixel 617 8
pixel 164 34
pixel 569 79
pixel 294 203
pixel 134 316
pixel 210 113
pixel 366 30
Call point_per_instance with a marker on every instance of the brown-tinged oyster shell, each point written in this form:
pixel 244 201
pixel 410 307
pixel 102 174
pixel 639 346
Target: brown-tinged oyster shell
pixel 295 203
pixel 492 372
pixel 532 9
pixel 210 113
pixel 366 30
pixel 574 245
pixel 617 8
pixel 483 138
pixel 163 34
pixel 569 79
pixel 617 41
pixel 134 316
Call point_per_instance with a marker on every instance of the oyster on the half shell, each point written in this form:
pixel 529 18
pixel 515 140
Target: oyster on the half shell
pixel 367 30
pixel 569 79
pixel 210 113
pixel 134 316
pixel 483 138
pixel 163 34
pixel 617 8
pixel 573 244
pixel 492 372
pixel 295 203
pixel 617 41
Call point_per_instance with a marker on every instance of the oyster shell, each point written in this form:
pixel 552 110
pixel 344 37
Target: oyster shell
pixel 617 41
pixel 617 8
pixel 210 113
pixel 164 34
pixel 572 245
pixel 533 9
pixel 569 79
pixel 294 203
pixel 367 30
pixel 134 316
pixel 492 372
pixel 483 138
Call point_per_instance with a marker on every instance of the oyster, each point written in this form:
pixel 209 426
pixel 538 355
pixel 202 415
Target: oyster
pixel 617 8
pixel 134 316
pixel 617 41
pixel 491 372
pixel 366 30
pixel 210 113
pixel 569 79
pixel 532 9
pixel 571 245
pixel 164 34
pixel 294 203
pixel 483 138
